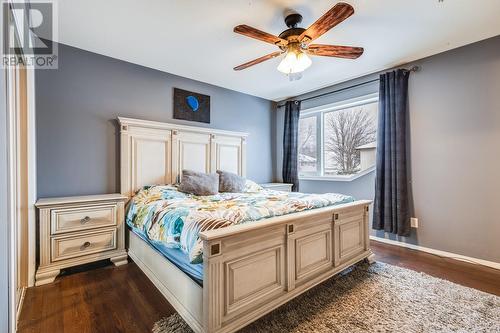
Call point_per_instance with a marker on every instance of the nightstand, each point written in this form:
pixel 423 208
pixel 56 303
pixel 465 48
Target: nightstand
pixel 278 187
pixel 79 230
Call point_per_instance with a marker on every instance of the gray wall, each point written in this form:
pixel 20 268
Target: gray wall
pixel 77 135
pixel 455 154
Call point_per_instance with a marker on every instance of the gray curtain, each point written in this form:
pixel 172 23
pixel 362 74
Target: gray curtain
pixel 290 171
pixel 391 206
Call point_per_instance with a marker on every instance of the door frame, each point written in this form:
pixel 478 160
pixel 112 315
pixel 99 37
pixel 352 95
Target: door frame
pixel 21 182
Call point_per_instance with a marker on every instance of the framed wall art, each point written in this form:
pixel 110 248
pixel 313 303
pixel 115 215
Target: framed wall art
pixel 191 106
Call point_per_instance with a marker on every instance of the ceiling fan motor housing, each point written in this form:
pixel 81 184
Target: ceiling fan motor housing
pixel 292 34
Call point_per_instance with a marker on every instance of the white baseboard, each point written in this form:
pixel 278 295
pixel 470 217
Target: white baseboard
pixel 440 253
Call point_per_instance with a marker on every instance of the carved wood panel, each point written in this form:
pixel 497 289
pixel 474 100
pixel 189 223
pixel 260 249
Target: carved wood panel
pixel 227 154
pixel 254 279
pixel 313 254
pixel 350 235
pixel 191 151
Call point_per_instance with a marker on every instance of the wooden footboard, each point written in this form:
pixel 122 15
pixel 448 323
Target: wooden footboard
pixel 252 269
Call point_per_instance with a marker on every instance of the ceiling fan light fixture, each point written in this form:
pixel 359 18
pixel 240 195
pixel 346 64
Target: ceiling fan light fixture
pixel 295 61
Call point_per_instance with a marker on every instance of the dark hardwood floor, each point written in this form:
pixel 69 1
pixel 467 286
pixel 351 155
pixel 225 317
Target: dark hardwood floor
pixel 122 299
pixel 467 274
pixel 106 299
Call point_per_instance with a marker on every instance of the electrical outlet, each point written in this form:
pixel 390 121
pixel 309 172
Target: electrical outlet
pixel 414 222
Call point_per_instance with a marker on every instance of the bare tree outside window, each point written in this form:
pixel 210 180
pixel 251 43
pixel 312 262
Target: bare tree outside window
pixel 346 133
pixel 307 145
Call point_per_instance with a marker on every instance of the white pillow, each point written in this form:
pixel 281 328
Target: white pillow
pixel 251 186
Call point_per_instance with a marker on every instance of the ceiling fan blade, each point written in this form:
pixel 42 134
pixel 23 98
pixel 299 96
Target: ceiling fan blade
pixel 330 19
pixel 348 52
pixel 258 60
pixel 260 35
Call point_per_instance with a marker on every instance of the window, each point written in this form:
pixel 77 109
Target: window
pixel 338 141
pixel 308 151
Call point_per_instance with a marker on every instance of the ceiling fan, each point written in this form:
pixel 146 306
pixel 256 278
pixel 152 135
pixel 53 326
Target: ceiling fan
pixel 295 42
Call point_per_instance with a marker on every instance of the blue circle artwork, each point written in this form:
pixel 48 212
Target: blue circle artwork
pixel 193 103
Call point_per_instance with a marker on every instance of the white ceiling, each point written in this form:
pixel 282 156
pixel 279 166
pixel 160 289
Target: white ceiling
pixel 195 39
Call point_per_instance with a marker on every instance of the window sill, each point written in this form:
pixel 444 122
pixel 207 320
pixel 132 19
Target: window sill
pixel 339 178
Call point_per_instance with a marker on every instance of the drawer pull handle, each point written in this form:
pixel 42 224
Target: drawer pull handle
pixel 85 245
pixel 85 220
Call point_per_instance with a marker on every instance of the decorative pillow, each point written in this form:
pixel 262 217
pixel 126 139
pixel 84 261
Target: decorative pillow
pixel 199 183
pixel 230 182
pixel 251 186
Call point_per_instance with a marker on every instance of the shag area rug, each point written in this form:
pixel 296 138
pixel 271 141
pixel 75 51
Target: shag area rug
pixel 376 298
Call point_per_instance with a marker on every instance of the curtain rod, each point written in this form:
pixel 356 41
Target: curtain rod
pixel 411 69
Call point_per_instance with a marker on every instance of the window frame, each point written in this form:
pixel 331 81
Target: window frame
pixel 319 112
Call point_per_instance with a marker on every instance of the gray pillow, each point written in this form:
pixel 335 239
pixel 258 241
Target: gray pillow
pixel 230 182
pixel 199 183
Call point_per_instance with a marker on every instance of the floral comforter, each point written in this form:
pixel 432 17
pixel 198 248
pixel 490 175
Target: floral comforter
pixel 163 214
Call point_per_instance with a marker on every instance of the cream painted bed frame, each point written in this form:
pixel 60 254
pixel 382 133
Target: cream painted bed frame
pixel 249 269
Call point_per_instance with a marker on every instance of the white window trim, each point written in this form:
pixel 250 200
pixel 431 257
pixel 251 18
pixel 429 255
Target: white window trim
pixel 340 178
pixel 344 104
pixel 321 110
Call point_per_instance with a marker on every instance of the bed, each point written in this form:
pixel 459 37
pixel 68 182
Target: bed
pixel 230 276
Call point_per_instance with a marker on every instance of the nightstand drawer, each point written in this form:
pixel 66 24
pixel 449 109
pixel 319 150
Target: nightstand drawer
pixel 82 218
pixel 71 246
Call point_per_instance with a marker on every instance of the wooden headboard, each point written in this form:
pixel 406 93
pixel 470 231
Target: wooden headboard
pixel 156 153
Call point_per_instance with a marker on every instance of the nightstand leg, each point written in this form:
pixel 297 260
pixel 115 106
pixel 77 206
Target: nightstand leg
pixel 370 259
pixel 46 277
pixel 119 260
